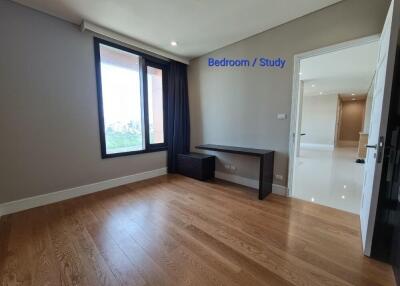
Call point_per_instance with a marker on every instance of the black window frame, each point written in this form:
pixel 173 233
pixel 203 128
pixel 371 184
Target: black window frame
pixel 145 61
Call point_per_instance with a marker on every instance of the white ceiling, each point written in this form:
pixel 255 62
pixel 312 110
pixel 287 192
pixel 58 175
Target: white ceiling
pixel 199 26
pixel 346 71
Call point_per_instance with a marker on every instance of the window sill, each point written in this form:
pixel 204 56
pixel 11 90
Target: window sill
pixel 150 150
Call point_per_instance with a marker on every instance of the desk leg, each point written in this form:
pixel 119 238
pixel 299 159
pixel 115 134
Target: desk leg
pixel 266 175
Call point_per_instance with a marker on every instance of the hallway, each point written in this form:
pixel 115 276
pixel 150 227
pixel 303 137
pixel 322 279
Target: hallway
pixel 330 178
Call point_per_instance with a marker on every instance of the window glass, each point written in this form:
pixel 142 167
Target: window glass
pixel 122 102
pixel 155 103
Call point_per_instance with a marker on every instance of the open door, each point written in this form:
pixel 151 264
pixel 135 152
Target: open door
pixel 298 139
pixel 378 125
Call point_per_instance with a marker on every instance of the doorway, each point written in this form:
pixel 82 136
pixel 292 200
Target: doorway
pixel 335 90
pixel 350 120
pixel 377 143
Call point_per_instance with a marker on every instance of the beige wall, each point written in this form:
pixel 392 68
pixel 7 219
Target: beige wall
pixel 352 120
pixel 319 119
pixel 239 106
pixel 48 109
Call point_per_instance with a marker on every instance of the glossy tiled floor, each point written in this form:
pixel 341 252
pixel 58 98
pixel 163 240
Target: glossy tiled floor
pixel 330 178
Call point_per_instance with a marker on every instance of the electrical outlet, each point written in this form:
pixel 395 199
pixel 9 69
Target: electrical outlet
pixel 233 168
pixel 279 177
pixel 227 166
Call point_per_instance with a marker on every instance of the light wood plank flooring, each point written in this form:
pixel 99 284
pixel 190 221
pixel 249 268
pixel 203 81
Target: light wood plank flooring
pixel 173 230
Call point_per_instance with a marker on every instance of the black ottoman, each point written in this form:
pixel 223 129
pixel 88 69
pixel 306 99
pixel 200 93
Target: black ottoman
pixel 196 165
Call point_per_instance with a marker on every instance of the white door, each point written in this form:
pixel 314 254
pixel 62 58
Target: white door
pixel 300 114
pixel 377 130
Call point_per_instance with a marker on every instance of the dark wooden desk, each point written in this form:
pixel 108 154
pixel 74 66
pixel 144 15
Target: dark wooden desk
pixel 266 164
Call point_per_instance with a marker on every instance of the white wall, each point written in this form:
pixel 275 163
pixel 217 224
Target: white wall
pixel 319 119
pixel 239 106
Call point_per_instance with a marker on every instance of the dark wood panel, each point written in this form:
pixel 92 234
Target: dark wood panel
pixel 175 230
pixel 234 150
pixel 266 175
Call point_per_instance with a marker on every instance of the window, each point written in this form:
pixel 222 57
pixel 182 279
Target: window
pixel 155 99
pixel 131 96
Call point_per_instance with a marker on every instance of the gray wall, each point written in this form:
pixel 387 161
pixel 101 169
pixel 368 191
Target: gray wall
pixel 239 106
pixel 48 109
pixel 319 119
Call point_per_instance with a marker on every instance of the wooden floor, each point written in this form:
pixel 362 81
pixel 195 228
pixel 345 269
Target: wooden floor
pixel 174 230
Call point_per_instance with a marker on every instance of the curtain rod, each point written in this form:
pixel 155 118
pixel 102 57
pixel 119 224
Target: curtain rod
pixel 87 26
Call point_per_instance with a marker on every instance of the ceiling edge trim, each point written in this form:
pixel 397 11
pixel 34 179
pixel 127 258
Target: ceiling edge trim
pixel 88 26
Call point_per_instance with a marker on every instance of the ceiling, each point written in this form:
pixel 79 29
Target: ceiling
pixel 346 97
pixel 198 26
pixel 348 71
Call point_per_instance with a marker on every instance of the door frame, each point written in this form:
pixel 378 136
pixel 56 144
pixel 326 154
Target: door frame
pixel 338 123
pixel 294 134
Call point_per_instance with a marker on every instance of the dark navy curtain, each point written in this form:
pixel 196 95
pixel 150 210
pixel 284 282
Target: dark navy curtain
pixel 178 114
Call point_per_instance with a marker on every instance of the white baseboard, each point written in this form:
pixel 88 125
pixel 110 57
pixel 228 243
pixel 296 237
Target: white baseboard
pixel 317 146
pixel 41 200
pixel 279 190
pixel 251 183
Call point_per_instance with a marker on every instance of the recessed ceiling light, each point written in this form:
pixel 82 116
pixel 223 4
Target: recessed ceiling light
pixel 321 93
pixel 173 43
pixel 344 186
pixel 353 94
pixel 313 85
pixel 300 73
pixel 343 197
pixel 312 199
